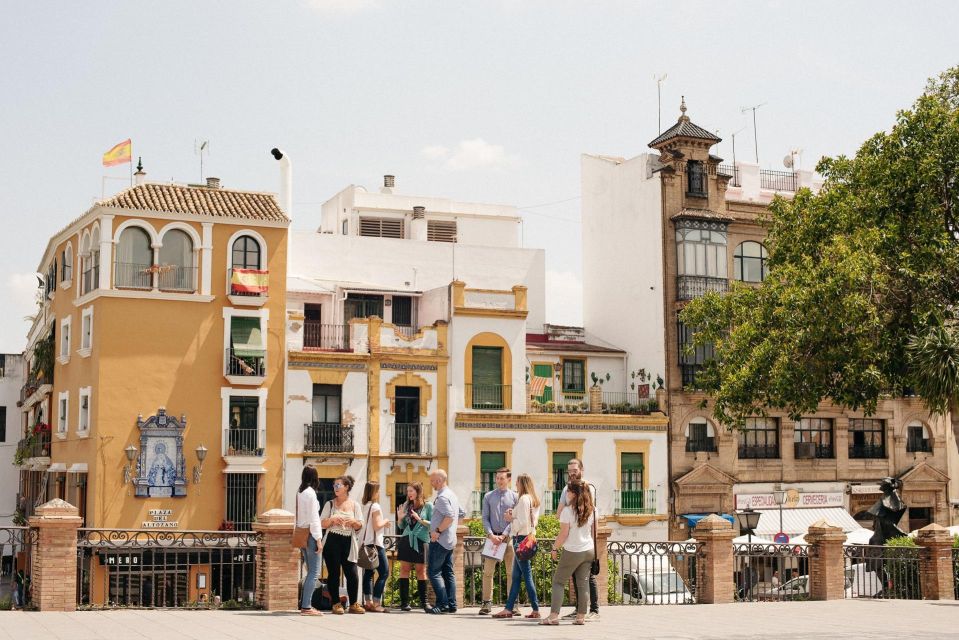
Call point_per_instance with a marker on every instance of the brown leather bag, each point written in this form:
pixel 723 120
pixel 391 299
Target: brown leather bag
pixel 301 535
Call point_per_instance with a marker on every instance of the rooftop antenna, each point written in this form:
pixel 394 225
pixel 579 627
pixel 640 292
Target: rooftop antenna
pixel 790 160
pixel 201 147
pixel 755 140
pixel 659 100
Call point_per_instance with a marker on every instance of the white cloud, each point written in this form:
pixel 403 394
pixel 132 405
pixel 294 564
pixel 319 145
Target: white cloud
pixel 564 298
pixel 342 6
pixel 479 154
pixel 434 151
pixel 20 292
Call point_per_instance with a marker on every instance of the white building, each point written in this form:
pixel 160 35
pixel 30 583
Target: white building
pixel 12 378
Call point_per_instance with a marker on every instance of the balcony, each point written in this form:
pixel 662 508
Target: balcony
pixel 33 447
pixel 866 451
pixel 628 403
pixel 177 278
pixel 246 367
pixel 922 445
pixel 777 180
pixel 691 287
pixel 248 287
pixel 90 279
pixel 732 171
pixel 325 337
pixel 327 437
pixel 411 439
pixel 626 502
pixel 707 444
pixel 489 397
pixel 758 451
pixel 242 441
pixel 131 275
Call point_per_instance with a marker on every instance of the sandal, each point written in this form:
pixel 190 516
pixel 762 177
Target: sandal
pixel 505 613
pixel 378 608
pixel 534 615
pixel 580 620
pixel 549 622
pixel 310 612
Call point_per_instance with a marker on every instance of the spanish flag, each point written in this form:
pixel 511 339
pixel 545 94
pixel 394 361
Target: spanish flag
pixel 119 154
pixel 249 281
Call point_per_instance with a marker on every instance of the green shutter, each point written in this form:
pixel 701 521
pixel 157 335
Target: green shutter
pixel 246 337
pixel 492 460
pixel 487 366
pixel 544 371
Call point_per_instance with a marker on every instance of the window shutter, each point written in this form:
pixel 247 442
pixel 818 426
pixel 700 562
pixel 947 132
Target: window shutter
pixel 246 337
pixel 441 230
pixel 487 366
pixel 381 227
pixel 490 461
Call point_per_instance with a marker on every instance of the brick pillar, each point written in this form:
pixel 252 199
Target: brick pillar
pixel 827 566
pixel 54 573
pixel 277 562
pixel 602 580
pixel 935 568
pixel 595 399
pixel 459 563
pixel 714 580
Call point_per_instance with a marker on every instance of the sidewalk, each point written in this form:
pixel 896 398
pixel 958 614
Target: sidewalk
pixel 834 620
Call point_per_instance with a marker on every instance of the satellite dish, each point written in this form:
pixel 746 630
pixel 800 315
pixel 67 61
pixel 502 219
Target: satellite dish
pixel 788 161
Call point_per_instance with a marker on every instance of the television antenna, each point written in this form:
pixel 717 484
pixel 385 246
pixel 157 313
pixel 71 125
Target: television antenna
pixel 755 140
pixel 659 100
pixel 201 147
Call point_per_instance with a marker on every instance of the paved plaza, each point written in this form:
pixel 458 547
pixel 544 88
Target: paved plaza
pixel 834 620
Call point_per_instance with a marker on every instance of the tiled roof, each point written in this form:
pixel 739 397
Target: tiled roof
pixel 701 214
pixel 558 346
pixel 685 128
pixel 199 201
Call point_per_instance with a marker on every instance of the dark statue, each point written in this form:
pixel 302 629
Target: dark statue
pixel 887 512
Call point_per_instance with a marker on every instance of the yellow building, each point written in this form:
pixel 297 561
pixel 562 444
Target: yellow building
pixel 157 361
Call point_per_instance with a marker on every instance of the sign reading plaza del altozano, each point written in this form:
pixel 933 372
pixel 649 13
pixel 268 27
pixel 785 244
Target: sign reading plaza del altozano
pixel 160 519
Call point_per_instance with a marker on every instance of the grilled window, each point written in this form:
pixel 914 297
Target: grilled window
pixel 699 438
pixel 381 227
pixel 696 185
pixel 917 440
pixel 403 311
pixel 759 438
pixel 813 438
pixel 691 359
pixel 441 230
pixel 867 438
pixel 241 500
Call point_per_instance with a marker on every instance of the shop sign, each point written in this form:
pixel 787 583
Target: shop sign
pixel 794 500
pixel 160 519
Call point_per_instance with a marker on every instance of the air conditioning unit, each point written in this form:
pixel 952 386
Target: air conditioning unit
pixel 805 450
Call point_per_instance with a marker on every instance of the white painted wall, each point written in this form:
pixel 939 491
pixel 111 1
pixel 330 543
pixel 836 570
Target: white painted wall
pixel 10 384
pixel 462 330
pixel 623 256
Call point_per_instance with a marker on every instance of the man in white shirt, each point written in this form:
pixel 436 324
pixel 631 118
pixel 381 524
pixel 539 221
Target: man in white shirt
pixel 574 470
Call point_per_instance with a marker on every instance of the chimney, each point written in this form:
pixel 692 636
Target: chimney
pixel 286 181
pixel 212 183
pixel 388 183
pixel 418 228
pixel 140 176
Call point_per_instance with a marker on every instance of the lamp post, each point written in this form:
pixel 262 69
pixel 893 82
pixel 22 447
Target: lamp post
pixel 779 495
pixel 131 453
pixel 748 519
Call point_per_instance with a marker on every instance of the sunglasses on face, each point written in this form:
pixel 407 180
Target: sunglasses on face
pixel 337 486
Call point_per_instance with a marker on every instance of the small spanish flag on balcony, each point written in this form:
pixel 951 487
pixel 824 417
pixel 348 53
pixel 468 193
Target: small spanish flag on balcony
pixel 119 154
pixel 249 281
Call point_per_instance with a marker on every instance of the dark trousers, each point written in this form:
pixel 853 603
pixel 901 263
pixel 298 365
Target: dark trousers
pixel 375 589
pixel 335 554
pixel 439 570
pixel 593 594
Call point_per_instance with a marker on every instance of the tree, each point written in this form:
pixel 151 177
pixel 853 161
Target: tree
pixel 863 286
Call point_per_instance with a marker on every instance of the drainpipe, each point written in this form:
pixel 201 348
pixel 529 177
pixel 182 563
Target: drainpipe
pixel 286 181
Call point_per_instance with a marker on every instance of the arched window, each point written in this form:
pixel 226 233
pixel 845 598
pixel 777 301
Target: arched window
pixel 95 258
pixel 67 261
pixel 246 253
pixel 134 260
pixel 700 436
pixel 177 268
pixel 749 262
pixel 918 439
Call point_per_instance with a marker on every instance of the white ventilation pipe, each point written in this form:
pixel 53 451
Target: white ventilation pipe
pixel 286 181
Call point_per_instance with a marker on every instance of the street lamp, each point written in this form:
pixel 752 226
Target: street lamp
pixel 131 453
pixel 748 519
pixel 779 495
pixel 198 469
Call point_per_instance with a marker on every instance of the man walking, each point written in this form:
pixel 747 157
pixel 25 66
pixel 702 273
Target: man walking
pixel 497 504
pixel 445 518
pixel 574 470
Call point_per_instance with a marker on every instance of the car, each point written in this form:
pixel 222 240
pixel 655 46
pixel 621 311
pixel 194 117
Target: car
pixel 862 582
pixel 655 588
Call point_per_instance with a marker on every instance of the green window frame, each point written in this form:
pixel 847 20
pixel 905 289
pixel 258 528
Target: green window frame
pixel 490 461
pixel 574 376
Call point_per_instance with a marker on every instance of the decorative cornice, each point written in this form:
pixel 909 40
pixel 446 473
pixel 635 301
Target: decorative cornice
pixel 312 364
pixel 408 366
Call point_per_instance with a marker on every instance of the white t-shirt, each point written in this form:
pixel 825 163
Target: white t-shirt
pixel 368 535
pixel 580 537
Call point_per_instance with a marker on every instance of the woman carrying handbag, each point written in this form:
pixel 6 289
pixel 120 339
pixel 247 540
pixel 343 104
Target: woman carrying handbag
pixel 579 550
pixel 372 552
pixel 523 519
pixel 342 518
pixel 307 536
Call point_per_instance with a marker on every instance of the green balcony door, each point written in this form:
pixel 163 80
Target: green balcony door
pixel 487 388
pixel 631 482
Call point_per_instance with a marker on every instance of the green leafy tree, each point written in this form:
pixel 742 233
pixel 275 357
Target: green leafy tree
pixel 862 296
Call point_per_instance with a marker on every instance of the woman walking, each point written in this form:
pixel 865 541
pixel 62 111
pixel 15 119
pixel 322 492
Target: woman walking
pixel 576 539
pixel 308 516
pixel 523 519
pixel 413 527
pixel 373 525
pixel 342 518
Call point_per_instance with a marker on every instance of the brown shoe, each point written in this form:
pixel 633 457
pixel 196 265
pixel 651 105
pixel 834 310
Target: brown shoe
pixel 338 609
pixel 356 607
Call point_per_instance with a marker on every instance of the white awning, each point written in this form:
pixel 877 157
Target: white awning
pixel 797 521
pixel 78 467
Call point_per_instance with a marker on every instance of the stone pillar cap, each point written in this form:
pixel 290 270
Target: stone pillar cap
pixel 57 508
pixel 275 516
pixel 823 526
pixel 934 531
pixel 713 522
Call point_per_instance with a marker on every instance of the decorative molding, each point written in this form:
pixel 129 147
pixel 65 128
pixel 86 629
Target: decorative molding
pixel 557 426
pixel 351 366
pixel 404 366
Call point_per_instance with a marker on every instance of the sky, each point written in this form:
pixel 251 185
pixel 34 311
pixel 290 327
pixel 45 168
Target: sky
pixel 489 101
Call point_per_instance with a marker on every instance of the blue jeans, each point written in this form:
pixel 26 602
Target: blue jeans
pixel 521 569
pixel 440 572
pixel 312 560
pixel 382 573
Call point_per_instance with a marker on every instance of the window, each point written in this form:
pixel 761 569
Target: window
pixel 345 228
pixel 574 376
pixel 382 227
pixel 246 355
pixel 3 424
pixel 3 365
pixel 134 260
pixel 399 494
pixel 360 305
pixel 244 429
pixel 64 340
pixel 66 259
pixel 490 461
pixel 63 411
pixel 749 262
pixel 441 230
pixel 50 283
pixel 486 390
pixel 560 475
pixel 813 438
pixel 326 404
pixel 86 331
pixel 246 253
pixel 759 439
pixel 241 490
pixel 83 423
pixel 691 359
pixel 867 438
pixel 696 179
pixel 917 439
pixel 177 268
pixel 403 311
pixel 631 482
pixel 699 437
pixel 701 252
pixel 919 517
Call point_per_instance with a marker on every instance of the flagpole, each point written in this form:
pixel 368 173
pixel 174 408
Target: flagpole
pixel 131 164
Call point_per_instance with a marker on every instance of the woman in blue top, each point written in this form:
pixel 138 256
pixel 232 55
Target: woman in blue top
pixel 413 527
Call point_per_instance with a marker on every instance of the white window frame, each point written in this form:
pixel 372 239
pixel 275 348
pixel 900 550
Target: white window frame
pixel 247 301
pixel 264 315
pixel 66 336
pixel 63 414
pixel 85 392
pixel 86 345
pixel 67 255
pixel 225 393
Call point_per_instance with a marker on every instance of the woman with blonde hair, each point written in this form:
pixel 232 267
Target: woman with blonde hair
pixel 413 529
pixel 523 519
pixel 372 533
pixel 576 539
